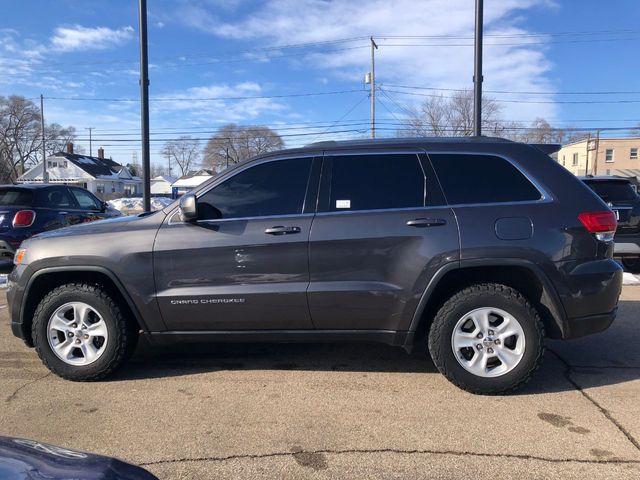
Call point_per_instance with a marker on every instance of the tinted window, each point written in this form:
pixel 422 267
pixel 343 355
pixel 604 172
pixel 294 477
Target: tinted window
pixel 612 191
pixel 85 199
pixel 481 179
pixel 15 197
pixel 57 197
pixel 372 182
pixel 273 188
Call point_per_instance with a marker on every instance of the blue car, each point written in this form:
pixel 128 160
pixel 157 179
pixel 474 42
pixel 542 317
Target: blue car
pixel 22 459
pixel 26 210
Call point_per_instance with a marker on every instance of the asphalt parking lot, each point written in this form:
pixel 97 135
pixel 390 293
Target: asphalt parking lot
pixel 339 411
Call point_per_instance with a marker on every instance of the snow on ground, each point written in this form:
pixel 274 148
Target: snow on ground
pixel 133 205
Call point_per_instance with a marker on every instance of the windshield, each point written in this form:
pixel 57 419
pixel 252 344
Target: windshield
pixel 15 197
pixel 613 191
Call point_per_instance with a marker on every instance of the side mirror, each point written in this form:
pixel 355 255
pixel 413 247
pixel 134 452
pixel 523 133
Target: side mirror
pixel 104 206
pixel 188 210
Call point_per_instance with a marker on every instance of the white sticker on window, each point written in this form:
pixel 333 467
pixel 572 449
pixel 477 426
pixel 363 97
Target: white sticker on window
pixel 343 203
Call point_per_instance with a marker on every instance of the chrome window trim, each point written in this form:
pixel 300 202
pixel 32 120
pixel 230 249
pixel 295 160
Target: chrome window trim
pixel 237 219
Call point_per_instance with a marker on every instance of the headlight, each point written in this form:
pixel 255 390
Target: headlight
pixel 19 256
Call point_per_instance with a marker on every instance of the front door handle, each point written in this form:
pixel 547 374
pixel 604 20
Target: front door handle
pixel 280 230
pixel 427 222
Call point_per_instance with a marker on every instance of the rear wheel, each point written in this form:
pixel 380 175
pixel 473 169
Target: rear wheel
pixel 487 339
pixel 81 333
pixel 631 264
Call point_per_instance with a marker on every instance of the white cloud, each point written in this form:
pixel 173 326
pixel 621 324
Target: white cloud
pixel 506 67
pixel 77 37
pixel 204 105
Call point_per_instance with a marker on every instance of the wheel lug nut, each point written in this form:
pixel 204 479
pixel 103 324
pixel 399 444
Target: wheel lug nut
pixel 479 335
pixel 78 340
pixel 489 350
pixel 497 341
pixel 86 337
pixel 74 325
pixel 70 334
pixel 479 346
pixel 491 332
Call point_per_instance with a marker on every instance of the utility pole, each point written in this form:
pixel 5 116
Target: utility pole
pixel 586 167
pixel 45 174
pixel 374 47
pixel 144 110
pixel 226 149
pixel 595 160
pixel 477 73
pixel 90 142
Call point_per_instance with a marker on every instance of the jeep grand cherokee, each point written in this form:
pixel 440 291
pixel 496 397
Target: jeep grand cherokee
pixel 478 247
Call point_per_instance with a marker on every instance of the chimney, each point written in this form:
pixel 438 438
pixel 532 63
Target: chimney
pixel 101 153
pixel 70 147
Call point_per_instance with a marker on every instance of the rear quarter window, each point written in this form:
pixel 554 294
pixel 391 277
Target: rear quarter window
pixel 477 179
pixel 11 197
pixel 612 191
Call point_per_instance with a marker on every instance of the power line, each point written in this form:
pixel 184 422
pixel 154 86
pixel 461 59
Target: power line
pixel 580 102
pixel 521 92
pixel 205 99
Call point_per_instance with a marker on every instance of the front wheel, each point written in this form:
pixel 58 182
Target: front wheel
pixel 487 339
pixel 81 333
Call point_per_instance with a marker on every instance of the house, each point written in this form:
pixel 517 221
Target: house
pixel 101 176
pixel 602 156
pixel 190 180
pixel 161 185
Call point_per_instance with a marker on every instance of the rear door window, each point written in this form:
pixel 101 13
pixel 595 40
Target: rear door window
pixel 375 182
pixel 15 197
pixel 613 190
pixel 478 179
pixel 57 197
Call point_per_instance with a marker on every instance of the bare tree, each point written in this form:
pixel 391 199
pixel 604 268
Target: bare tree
pixel 452 116
pixel 184 152
pixel 234 143
pixel 21 136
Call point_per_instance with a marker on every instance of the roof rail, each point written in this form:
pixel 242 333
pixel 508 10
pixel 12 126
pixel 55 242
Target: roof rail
pixel 547 148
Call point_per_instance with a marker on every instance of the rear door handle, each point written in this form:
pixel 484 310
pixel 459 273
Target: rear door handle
pixel 427 222
pixel 63 213
pixel 280 230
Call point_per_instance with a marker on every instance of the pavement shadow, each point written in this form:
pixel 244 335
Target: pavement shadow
pixel 602 359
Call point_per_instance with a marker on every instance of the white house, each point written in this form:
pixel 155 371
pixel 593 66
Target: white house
pixel 190 180
pixel 101 176
pixel 161 185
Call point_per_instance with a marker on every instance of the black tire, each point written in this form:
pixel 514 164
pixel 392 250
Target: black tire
pixel 479 296
pixel 631 264
pixel 123 333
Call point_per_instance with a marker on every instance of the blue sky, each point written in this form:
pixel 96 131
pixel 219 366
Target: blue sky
pixel 210 59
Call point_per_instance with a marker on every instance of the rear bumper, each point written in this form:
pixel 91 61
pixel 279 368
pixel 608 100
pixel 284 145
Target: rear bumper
pixel 581 326
pixel 589 293
pixel 626 246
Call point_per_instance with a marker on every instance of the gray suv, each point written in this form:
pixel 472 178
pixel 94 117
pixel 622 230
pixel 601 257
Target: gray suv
pixel 479 248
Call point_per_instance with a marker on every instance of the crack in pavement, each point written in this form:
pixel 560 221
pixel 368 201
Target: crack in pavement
pixel 457 453
pixel 567 373
pixel 11 397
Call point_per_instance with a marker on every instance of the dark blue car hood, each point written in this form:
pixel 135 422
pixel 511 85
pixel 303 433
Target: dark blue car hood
pixel 22 459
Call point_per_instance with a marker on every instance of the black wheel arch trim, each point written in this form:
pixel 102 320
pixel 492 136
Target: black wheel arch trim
pixel 559 315
pixel 83 268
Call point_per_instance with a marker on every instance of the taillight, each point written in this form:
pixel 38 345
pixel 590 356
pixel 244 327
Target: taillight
pixel 602 224
pixel 24 218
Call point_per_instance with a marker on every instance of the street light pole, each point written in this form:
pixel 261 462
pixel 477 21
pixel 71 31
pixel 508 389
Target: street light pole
pixel 144 110
pixel 477 73
pixel 45 174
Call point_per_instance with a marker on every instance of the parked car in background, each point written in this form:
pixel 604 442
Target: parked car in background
pixel 479 248
pixel 621 196
pixel 28 209
pixel 22 459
